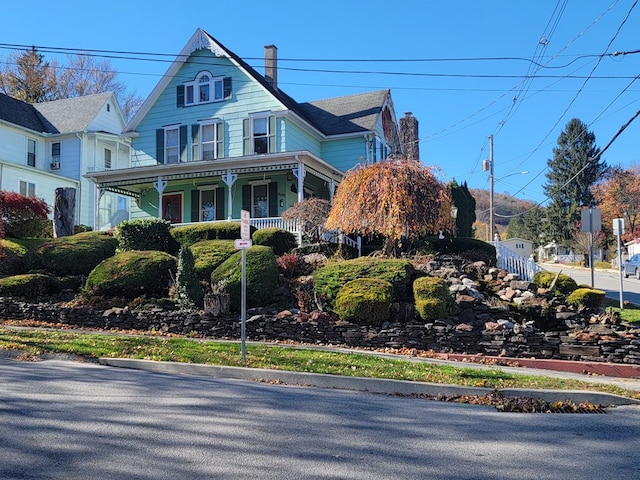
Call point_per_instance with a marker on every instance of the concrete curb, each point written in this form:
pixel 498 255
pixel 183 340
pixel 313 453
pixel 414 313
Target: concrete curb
pixel 361 384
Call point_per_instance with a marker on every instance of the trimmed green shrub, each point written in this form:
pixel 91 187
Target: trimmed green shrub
pixel 586 297
pixel 132 274
pixel 430 308
pixel 280 240
pixel 190 234
pixel 329 279
pixel 145 234
pixel 564 285
pixel 208 254
pixel 365 301
pixel 73 255
pixel 190 294
pixel 29 285
pixel 11 258
pixel 261 273
pixel 432 298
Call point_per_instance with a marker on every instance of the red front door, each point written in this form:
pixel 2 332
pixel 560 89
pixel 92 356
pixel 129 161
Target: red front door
pixel 172 207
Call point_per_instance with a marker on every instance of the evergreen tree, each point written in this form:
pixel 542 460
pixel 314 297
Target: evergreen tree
pixel 573 170
pixel 28 77
pixel 190 294
pixel 465 202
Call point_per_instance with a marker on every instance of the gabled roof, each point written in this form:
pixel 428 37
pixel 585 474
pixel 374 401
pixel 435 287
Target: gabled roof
pixel 73 114
pixel 347 114
pixel 58 116
pixel 340 115
pixel 22 114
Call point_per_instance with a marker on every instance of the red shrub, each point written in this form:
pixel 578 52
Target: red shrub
pixel 21 216
pixel 287 264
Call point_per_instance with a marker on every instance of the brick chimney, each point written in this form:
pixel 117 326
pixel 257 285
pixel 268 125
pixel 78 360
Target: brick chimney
pixel 409 138
pixel 271 65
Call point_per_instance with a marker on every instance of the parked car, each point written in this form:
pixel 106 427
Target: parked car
pixel 632 266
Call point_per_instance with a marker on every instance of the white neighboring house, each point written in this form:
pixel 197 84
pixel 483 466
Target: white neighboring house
pixel 519 246
pixel 52 145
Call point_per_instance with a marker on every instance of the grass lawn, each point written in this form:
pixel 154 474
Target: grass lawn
pixel 35 342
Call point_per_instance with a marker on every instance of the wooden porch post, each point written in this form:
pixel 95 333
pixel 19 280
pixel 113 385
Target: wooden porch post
pixel 229 179
pixel 160 185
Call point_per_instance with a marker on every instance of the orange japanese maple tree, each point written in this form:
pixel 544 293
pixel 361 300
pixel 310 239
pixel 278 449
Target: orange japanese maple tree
pixel 396 198
pixel 618 196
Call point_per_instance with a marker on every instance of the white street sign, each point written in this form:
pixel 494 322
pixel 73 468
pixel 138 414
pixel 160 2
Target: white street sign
pixel 245 232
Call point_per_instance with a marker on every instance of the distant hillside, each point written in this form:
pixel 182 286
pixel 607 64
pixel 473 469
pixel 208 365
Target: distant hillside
pixel 504 205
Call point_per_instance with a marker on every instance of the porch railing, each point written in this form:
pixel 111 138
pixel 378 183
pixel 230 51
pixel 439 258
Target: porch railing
pixel 512 262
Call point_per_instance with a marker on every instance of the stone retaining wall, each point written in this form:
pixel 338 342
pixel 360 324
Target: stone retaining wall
pixel 598 342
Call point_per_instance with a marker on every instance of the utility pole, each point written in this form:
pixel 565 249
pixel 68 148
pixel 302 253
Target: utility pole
pixel 491 220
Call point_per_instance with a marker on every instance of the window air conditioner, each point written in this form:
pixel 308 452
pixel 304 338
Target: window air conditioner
pixel 55 165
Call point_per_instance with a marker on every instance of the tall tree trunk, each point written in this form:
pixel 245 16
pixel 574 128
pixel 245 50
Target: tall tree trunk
pixel 64 211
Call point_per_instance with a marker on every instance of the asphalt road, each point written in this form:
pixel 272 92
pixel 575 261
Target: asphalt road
pixel 607 280
pixel 69 420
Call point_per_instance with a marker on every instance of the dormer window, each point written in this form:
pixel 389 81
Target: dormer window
pixel 205 88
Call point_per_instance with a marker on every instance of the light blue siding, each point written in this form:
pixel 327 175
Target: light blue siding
pixel 345 153
pixel 247 97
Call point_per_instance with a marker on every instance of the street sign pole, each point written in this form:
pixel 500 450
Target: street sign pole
pixel 618 229
pixel 243 306
pixel 243 243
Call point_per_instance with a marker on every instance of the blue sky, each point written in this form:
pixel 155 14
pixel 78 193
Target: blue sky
pixel 517 70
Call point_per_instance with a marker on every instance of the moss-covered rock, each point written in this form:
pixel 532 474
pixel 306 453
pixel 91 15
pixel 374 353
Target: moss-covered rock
pixel 432 298
pixel 564 284
pixel 261 277
pixel 73 255
pixel 281 241
pixel 329 279
pixel 209 254
pixel 586 297
pixel 132 274
pixel 365 301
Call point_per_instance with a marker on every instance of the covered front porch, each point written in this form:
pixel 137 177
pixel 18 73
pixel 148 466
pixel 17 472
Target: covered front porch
pixel 188 192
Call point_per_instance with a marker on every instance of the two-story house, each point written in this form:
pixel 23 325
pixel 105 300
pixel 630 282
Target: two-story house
pixel 52 145
pixel 215 137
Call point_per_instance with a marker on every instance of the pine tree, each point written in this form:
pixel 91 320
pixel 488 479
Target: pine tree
pixel 28 77
pixel 575 167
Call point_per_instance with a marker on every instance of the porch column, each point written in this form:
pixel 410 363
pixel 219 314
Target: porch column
pixel 96 214
pixel 300 173
pixel 160 185
pixel 229 179
pixel 332 190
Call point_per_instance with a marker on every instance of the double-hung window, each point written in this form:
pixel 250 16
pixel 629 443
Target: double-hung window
pixel 172 145
pixel 207 141
pixel 205 88
pixel 28 189
pixel 31 152
pixel 259 132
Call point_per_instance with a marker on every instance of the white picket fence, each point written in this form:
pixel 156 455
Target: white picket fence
pixel 525 267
